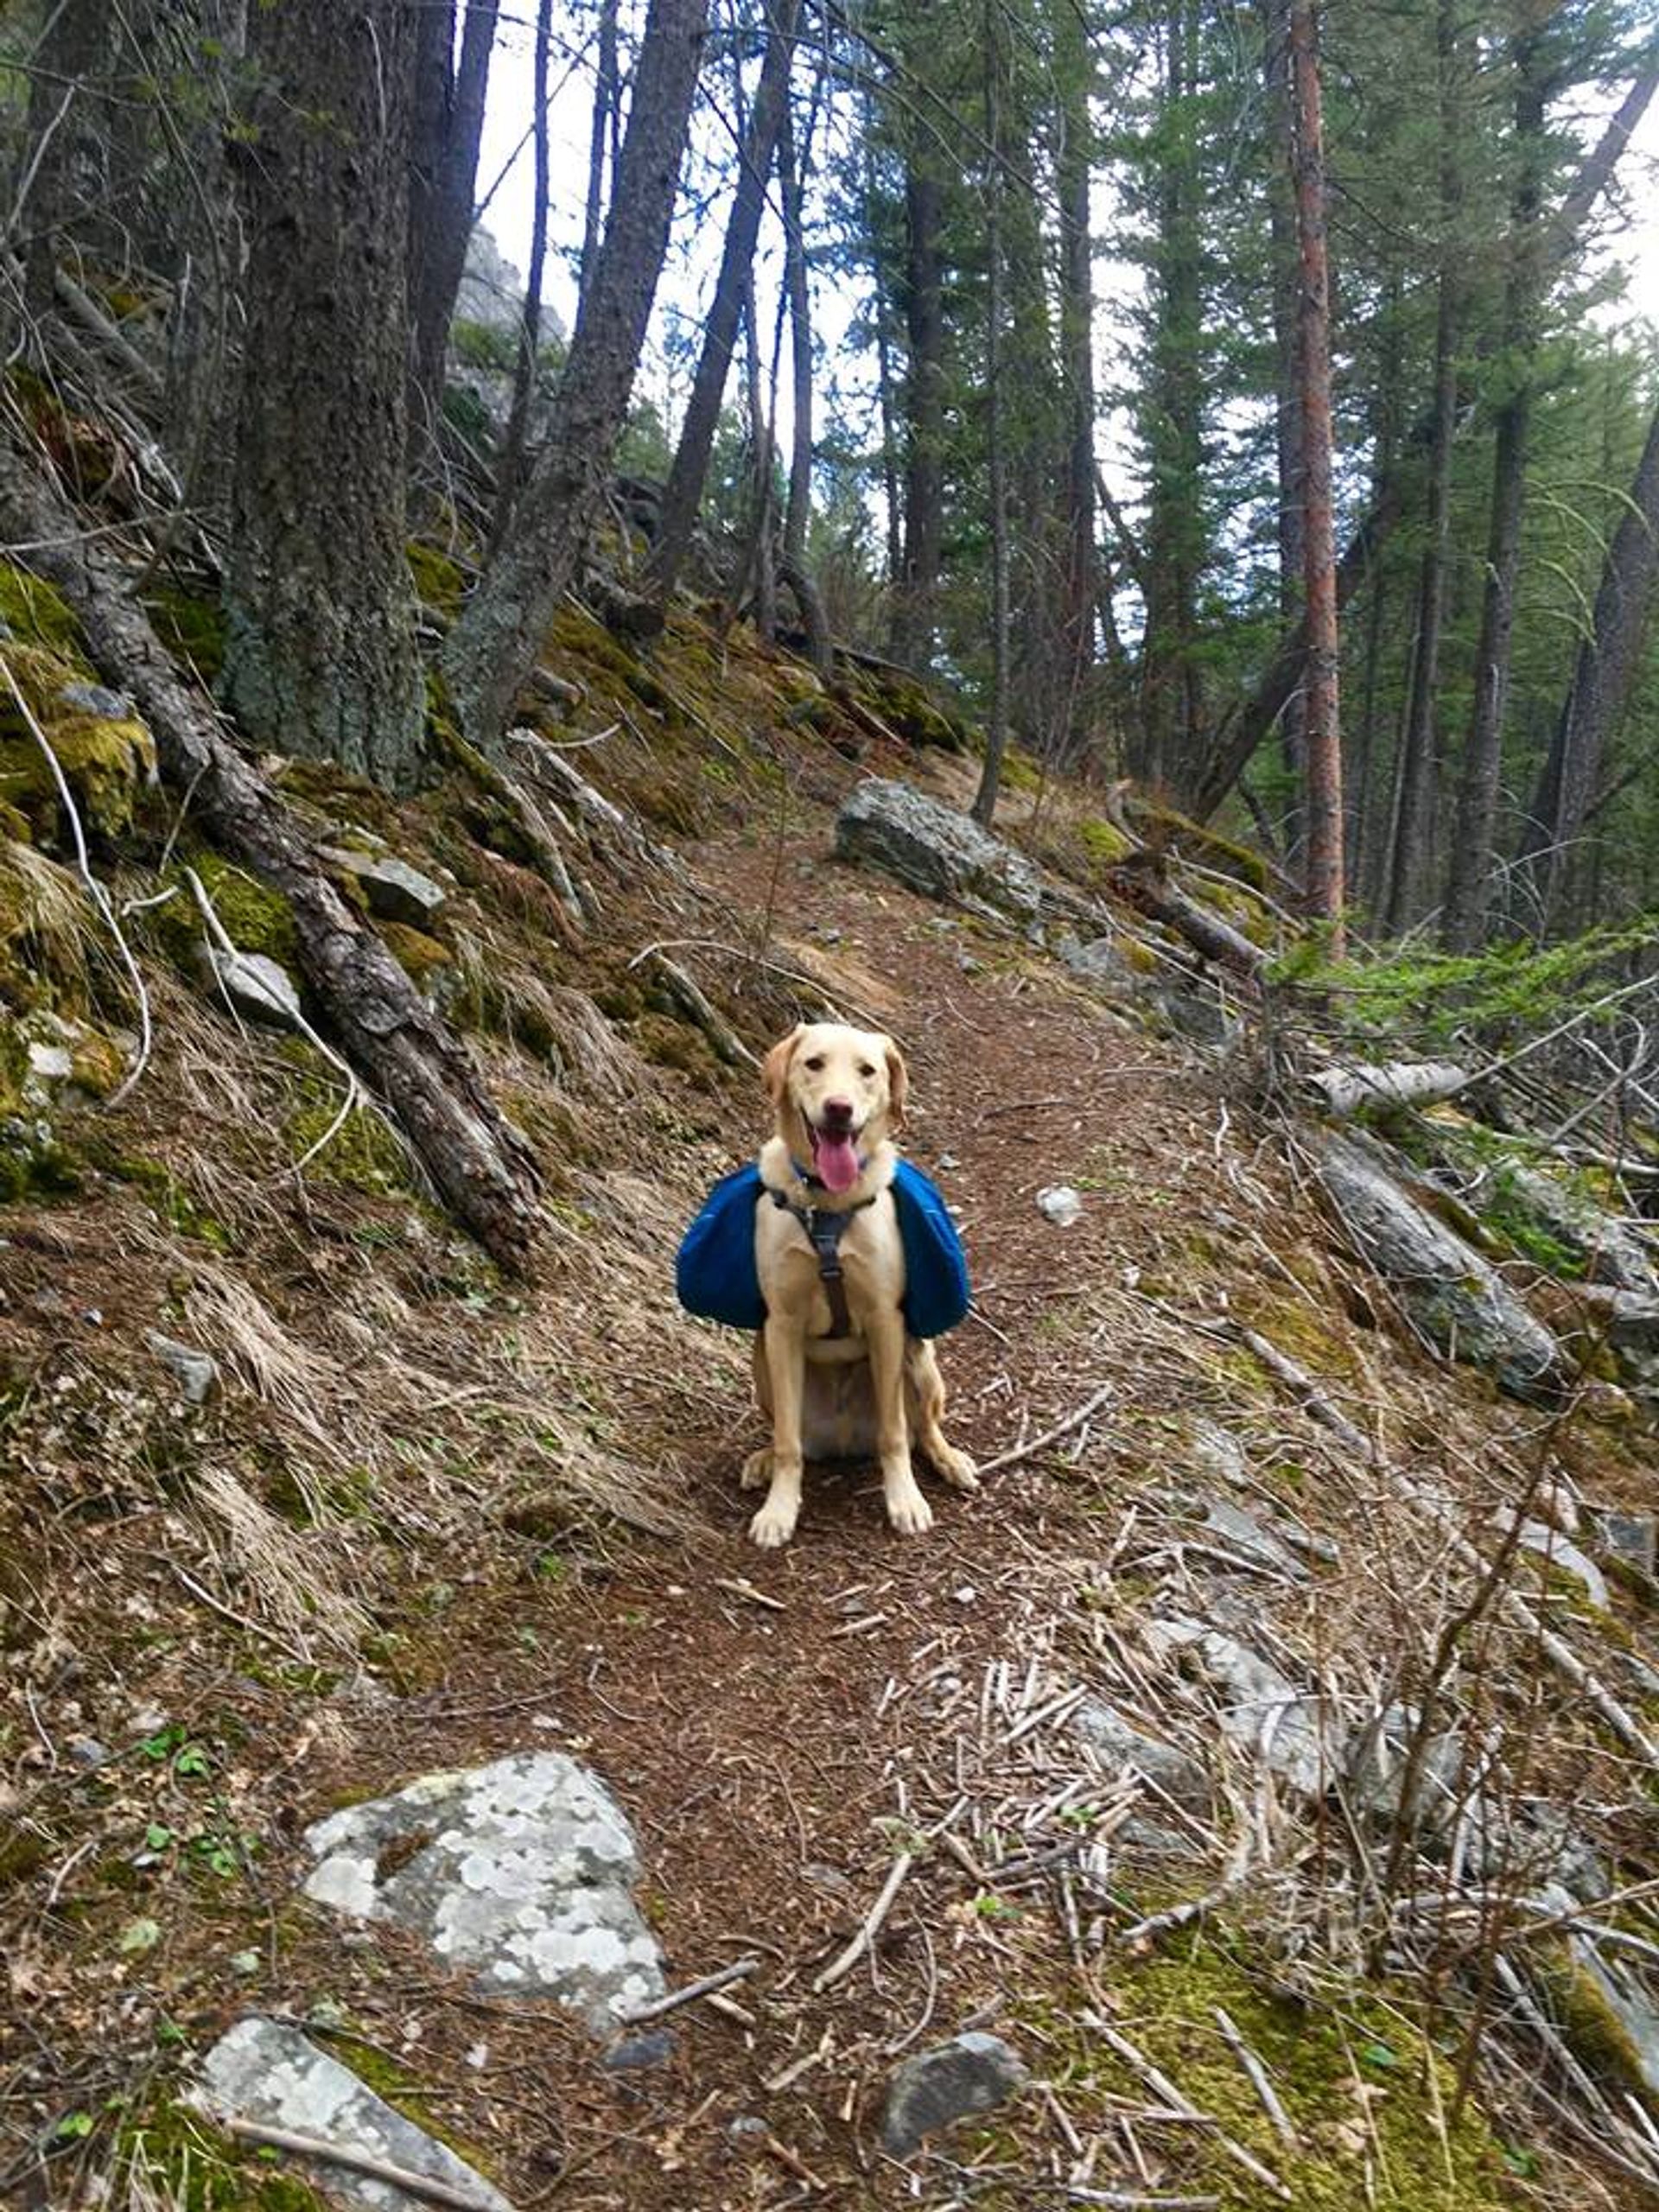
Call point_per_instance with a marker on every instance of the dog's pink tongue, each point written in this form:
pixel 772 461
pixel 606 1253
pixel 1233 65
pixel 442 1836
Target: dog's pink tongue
pixel 836 1162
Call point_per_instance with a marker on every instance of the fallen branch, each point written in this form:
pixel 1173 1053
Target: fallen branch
pixel 740 1970
pixel 1256 2073
pixel 1162 2086
pixel 1049 1435
pixel 843 1964
pixel 484 1170
pixel 1395 1083
pixel 358 2161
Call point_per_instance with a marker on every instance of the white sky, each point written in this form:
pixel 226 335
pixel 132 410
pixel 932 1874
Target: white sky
pixel 1632 241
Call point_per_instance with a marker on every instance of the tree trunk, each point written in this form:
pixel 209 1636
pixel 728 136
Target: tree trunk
pixel 424 1075
pixel 1361 843
pixel 1073 175
pixel 924 410
pixel 685 481
pixel 1287 414
pixel 791 183
pixel 1468 885
pixel 1245 729
pixel 996 728
pixel 530 328
pixel 320 656
pixel 491 649
pixel 606 98
pixel 444 177
pixel 1321 722
pixel 1602 677
pixel 66 164
pixel 1174 544
pixel 1411 823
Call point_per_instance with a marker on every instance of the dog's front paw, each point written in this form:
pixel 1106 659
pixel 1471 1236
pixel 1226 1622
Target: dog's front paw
pixel 774 1524
pixel 909 1511
pixel 757 1469
pixel 957 1469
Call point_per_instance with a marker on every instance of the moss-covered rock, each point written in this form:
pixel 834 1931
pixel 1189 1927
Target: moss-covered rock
pixel 255 918
pixel 106 754
pixel 35 613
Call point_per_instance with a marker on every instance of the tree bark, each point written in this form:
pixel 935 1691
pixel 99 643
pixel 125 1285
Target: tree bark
pixel 449 99
pixel 424 1075
pixel 1463 925
pixel 320 656
pixel 67 141
pixel 1174 535
pixel 792 184
pixel 1234 742
pixel 1411 816
pixel 924 411
pixel 530 328
pixel 606 98
pixel 1287 414
pixel 1602 676
pixel 1321 721
pixel 996 727
pixel 1073 175
pixel 686 479
pixel 491 649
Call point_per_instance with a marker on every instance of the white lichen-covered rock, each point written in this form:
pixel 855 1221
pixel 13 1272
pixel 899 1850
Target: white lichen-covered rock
pixel 523 1869
pixel 273 2076
pixel 1457 1298
pixel 934 849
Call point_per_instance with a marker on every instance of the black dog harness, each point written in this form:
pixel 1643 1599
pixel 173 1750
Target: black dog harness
pixel 825 1227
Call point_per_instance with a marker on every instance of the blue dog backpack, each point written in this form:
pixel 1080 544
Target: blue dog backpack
pixel 716 1278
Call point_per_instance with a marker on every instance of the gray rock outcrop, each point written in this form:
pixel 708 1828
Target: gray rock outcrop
pixel 934 849
pixel 1455 1296
pixel 523 1869
pixel 275 2077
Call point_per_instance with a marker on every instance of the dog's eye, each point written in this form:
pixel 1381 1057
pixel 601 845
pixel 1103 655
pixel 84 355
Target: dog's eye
pixel 865 1070
pixel 813 1066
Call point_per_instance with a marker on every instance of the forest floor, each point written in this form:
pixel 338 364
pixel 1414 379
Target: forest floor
pixel 777 1726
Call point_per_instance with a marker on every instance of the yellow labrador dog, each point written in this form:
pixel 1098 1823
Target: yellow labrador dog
pixel 834 1367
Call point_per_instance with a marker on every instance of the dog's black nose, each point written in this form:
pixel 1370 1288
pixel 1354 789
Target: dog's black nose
pixel 838 1110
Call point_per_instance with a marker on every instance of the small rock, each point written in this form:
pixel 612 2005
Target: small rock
pixel 1376 1769
pixel 635 2053
pixel 1216 1451
pixel 273 2076
pixel 1560 1551
pixel 95 699
pixel 1119 1743
pixel 1059 1204
pixel 1200 1018
pixel 971 2073
pixel 1098 962
pixel 1268 1714
pixel 258 986
pixel 85 1752
pixel 197 1372
pixel 1240 1531
pixel 393 891
pixel 1629 1538
pixel 245 1962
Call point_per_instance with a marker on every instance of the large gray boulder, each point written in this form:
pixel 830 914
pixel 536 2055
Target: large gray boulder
pixel 934 849
pixel 275 2077
pixel 524 1869
pixel 1607 1251
pixel 1457 1299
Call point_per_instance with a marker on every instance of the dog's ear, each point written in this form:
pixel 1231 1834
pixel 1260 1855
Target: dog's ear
pixel 897 1087
pixel 774 1068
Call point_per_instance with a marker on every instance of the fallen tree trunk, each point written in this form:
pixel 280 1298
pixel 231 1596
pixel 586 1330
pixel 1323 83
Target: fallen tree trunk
pixel 1139 882
pixel 1389 1086
pixel 482 1169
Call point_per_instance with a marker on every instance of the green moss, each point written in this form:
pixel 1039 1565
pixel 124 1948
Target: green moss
pixel 363 1155
pixel 482 346
pixel 171 1200
pixel 1352 2072
pixel 438 580
pixel 421 958
pixel 33 1165
pixel 36 613
pixel 106 759
pixel 255 918
pixel 1593 2030
pixel 1104 842
pixel 191 628
pixel 200 2169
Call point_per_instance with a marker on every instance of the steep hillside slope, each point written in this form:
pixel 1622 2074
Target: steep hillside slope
pixel 306 1500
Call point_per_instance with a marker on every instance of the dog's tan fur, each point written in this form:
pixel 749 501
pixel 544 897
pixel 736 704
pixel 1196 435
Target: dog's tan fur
pixel 876 1391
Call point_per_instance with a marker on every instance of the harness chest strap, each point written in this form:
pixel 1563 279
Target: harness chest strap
pixel 825 1228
